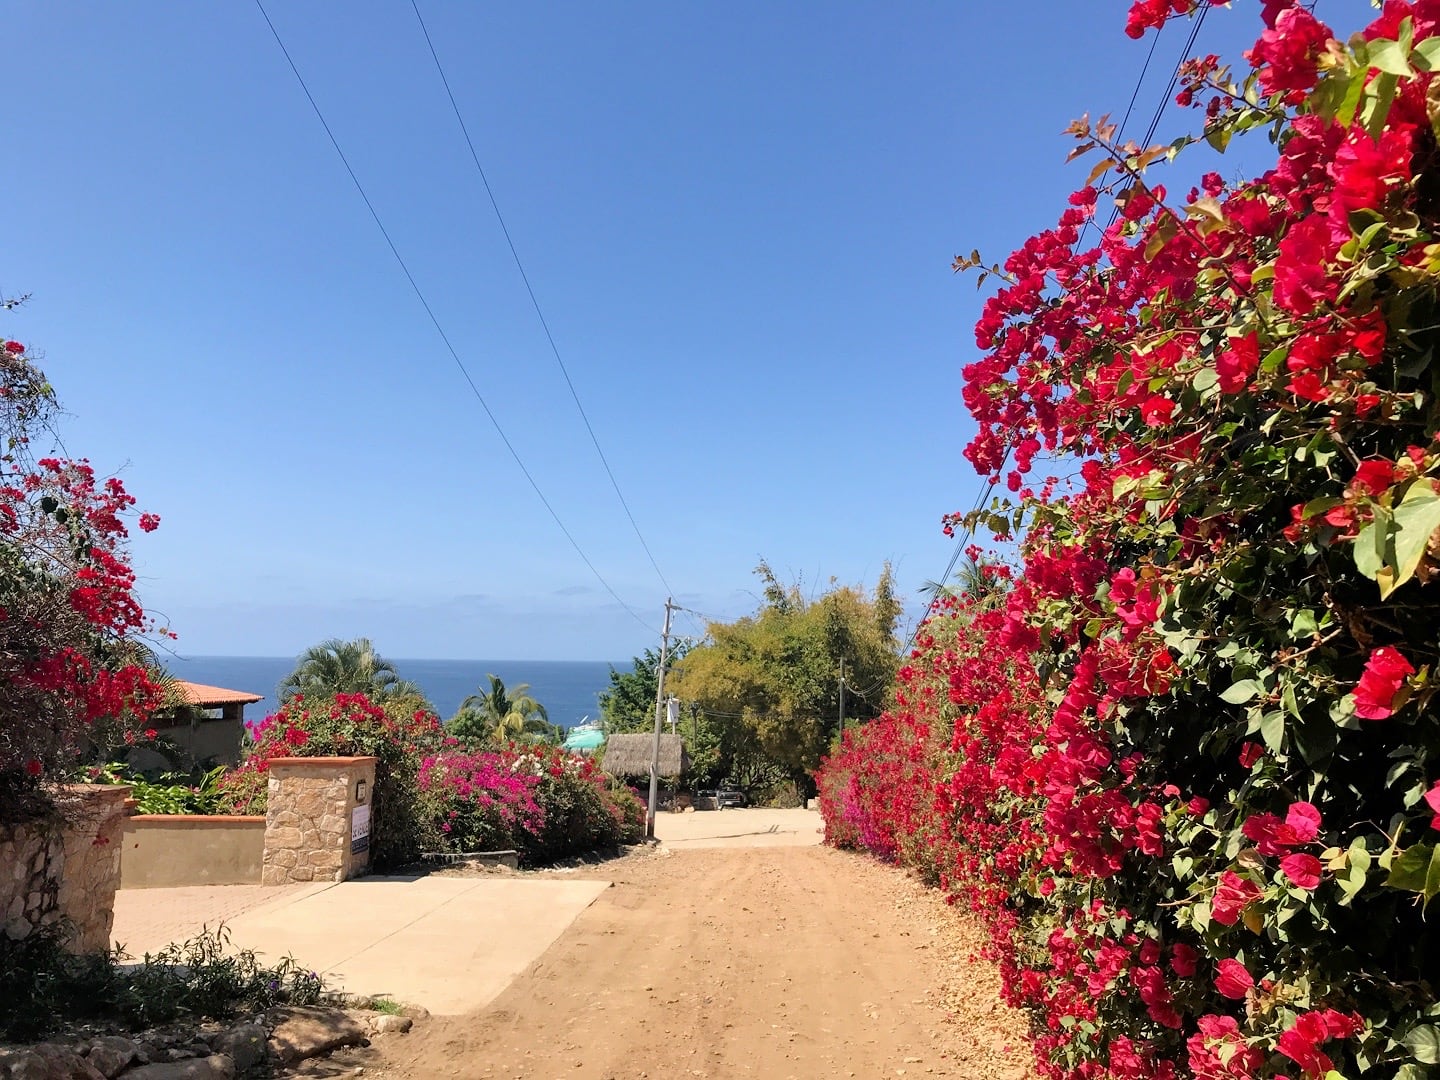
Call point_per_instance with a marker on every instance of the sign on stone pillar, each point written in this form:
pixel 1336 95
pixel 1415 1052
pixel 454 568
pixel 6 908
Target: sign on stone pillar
pixel 317 819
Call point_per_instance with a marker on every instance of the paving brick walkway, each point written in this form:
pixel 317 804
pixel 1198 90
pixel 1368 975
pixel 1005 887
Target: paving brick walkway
pixel 146 920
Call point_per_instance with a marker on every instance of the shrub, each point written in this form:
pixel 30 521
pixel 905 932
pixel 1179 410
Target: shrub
pixel 351 725
pixel 68 613
pixel 477 802
pixel 544 803
pixel 170 793
pixel 45 987
pixel 1187 773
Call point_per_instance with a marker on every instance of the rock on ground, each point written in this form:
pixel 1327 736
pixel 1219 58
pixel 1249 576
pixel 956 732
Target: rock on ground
pixel 300 1032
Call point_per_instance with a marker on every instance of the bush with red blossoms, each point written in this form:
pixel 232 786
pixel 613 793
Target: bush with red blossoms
pixel 69 619
pixel 1186 768
pixel 348 725
pixel 539 800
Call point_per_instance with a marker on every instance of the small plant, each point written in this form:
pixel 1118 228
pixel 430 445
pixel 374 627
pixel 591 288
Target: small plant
pixel 44 987
pixel 170 793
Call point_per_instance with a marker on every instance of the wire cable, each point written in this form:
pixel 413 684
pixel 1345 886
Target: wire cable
pixel 534 301
pixel 1197 23
pixel 455 355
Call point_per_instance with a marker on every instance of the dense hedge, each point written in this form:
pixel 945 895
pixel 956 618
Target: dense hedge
pixel 539 800
pixel 1184 761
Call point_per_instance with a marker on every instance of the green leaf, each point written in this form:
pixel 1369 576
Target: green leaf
pixel 1416 518
pixel 1272 729
pixel 1241 692
pixel 1388 56
pixel 1423 1042
pixel 1303 625
pixel 1370 545
pixel 1417 869
pixel 1380 95
pixel 1426 54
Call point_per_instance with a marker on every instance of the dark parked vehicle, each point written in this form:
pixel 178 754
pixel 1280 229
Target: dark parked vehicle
pixel 722 797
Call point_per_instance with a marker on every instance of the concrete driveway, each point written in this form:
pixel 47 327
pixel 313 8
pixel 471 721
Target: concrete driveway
pixel 450 944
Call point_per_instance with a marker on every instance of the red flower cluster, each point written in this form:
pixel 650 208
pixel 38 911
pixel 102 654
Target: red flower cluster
pixel 1136 760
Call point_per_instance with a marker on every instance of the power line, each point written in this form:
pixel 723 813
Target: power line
pixel 515 254
pixel 420 295
pixel 964 541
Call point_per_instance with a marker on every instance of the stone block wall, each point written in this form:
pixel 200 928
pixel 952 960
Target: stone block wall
pixel 66 870
pixel 310 819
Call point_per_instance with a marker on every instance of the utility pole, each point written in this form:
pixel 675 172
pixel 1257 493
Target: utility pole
pixel 659 712
pixel 842 695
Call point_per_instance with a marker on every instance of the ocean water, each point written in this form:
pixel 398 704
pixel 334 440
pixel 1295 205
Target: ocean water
pixel 569 689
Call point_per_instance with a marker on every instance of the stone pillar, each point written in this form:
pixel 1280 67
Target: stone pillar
pixel 65 870
pixel 317 819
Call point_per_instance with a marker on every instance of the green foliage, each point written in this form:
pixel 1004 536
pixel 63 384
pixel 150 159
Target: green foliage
pixel 352 725
pixel 629 704
pixel 171 793
pixel 499 716
pixel 350 667
pixel 45 987
pixel 770 683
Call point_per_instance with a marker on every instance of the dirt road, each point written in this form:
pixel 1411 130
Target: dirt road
pixel 767 962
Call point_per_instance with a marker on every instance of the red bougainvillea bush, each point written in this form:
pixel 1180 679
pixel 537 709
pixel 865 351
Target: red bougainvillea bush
pixel 69 619
pixel 1186 764
pixel 540 800
pixel 347 725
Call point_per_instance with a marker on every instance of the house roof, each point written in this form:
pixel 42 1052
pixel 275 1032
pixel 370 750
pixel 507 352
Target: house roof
pixel 206 696
pixel 629 755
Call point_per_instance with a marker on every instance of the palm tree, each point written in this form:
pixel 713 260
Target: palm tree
pixel 969 579
pixel 499 715
pixel 348 667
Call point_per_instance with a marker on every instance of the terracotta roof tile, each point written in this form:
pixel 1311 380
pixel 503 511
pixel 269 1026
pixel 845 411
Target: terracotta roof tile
pixel 204 696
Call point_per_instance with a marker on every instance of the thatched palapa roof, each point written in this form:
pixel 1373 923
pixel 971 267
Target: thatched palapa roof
pixel 629 755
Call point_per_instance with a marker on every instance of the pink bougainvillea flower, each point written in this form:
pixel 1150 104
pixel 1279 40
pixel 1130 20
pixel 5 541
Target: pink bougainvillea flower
pixel 1303 870
pixel 1301 1043
pixel 1288 53
pixel 1432 799
pixel 1219 1052
pixel 1304 819
pixel 1250 753
pixel 1385 673
pixel 1275 837
pixel 1232 896
pixel 1232 979
pixel 14 348
pixel 1301 282
pixel 1157 410
pixel 1183 959
pixel 1236 364
pixel 1373 477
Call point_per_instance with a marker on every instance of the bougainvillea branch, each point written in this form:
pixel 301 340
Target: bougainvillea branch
pixel 1186 765
pixel 69 618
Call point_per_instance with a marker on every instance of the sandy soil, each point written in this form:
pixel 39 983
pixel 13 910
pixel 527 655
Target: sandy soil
pixel 769 962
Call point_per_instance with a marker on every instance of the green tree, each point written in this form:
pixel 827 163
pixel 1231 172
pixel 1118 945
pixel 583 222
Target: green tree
pixel 773 678
pixel 629 704
pixel 350 667
pixel 499 715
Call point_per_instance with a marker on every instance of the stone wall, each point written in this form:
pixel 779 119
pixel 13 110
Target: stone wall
pixel 65 871
pixel 314 808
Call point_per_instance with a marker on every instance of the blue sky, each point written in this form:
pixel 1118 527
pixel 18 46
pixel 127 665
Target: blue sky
pixel 738 219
